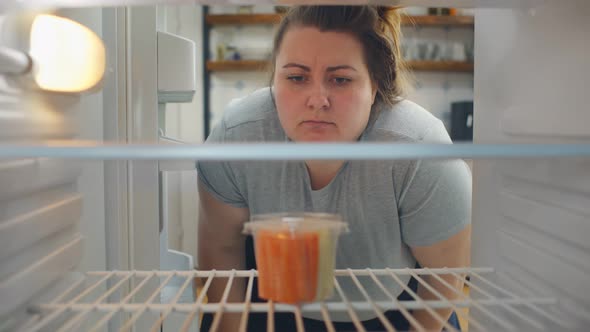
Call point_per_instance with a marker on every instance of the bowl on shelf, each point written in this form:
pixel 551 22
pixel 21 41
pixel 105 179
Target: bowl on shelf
pixel 295 255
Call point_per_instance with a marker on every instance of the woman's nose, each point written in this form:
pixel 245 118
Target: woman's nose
pixel 318 97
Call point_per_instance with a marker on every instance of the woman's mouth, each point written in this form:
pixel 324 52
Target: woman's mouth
pixel 317 123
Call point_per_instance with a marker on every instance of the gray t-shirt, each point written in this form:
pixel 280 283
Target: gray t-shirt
pixel 388 205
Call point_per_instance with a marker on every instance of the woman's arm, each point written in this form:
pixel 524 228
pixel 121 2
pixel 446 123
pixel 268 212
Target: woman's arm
pixel 453 252
pixel 221 246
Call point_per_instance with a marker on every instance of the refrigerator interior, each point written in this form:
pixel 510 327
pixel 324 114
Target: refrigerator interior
pixel 84 209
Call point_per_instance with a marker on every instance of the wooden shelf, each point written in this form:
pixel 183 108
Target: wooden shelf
pixel 237 65
pixel 257 65
pixel 456 21
pixel 242 19
pixel 252 19
pixel 448 66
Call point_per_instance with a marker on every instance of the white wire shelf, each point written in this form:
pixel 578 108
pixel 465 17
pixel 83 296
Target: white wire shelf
pixel 101 296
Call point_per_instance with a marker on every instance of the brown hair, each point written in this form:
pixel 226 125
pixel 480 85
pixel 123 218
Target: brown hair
pixel 377 28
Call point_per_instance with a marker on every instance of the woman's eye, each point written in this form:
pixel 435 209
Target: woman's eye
pixel 296 78
pixel 341 80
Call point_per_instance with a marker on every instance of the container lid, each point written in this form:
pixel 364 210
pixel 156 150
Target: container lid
pixel 295 222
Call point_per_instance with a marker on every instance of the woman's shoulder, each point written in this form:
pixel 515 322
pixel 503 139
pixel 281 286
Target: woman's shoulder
pixel 251 118
pixel 255 107
pixel 407 121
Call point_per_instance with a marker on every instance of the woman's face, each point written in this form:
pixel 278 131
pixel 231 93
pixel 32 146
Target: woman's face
pixel 322 86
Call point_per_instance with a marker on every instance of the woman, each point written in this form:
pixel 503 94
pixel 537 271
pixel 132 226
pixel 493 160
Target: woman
pixel 337 76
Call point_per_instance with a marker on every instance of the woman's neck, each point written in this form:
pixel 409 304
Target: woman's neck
pixel 321 172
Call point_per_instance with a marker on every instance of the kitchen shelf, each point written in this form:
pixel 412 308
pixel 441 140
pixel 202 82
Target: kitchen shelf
pixel 439 21
pixel 447 66
pixel 253 19
pixel 255 65
pixel 237 65
pixel 242 19
pixel 86 303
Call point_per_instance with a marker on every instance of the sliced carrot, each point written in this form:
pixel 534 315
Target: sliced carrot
pixel 262 263
pixel 290 269
pixel 279 268
pixel 288 266
pixel 298 261
pixel 274 266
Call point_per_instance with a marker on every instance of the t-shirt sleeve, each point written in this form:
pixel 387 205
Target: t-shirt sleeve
pixel 436 201
pixel 218 177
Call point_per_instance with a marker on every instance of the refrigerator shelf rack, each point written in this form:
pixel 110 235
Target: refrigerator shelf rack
pixel 497 305
pixel 90 150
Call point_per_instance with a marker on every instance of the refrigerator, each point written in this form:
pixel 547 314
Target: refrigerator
pixel 87 178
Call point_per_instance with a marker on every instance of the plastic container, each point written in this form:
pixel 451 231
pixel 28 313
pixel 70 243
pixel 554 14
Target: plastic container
pixel 295 254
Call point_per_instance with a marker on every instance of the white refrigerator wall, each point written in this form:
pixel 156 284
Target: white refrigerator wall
pixel 51 211
pixel 531 219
